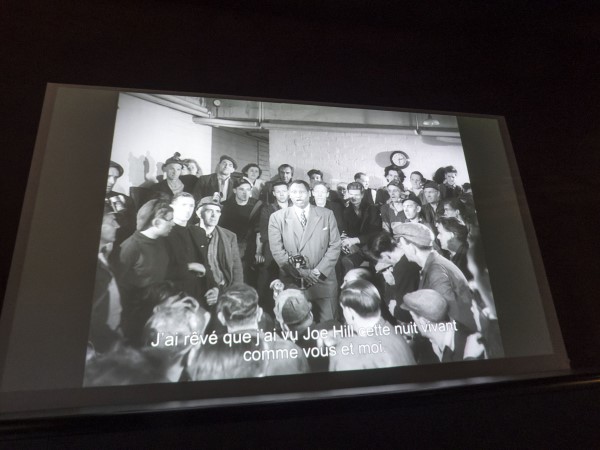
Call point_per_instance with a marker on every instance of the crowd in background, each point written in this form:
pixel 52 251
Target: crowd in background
pixel 200 260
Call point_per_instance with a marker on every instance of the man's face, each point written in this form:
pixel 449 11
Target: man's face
pixel 281 193
pixel 444 236
pixel 416 181
pixel 449 212
pixel 299 195
pixel 314 178
pixel 355 196
pixel 431 195
pixel 342 189
pixel 394 192
pixel 408 249
pixel 108 232
pixel 387 259
pixel 172 171
pixel 393 176
pixel 183 208
pixel 364 180
pixel 286 174
pixel 320 193
pixel 450 178
pixel 164 226
pixel 113 175
pixel 243 192
pixel 210 215
pixel 411 209
pixel 225 168
pixel 253 173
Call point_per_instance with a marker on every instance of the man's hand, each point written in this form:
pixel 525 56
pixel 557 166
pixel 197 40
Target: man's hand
pixel 198 269
pixel 388 276
pixel 392 306
pixel 309 277
pixel 349 242
pixel 259 258
pixel 212 295
pixel 473 347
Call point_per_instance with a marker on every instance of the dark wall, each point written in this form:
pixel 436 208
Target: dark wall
pixel 538 67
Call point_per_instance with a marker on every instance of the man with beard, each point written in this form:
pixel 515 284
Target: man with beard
pixel 305 243
pixel 220 181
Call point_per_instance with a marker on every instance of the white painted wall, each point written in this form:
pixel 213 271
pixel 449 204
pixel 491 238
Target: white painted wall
pixel 146 134
pixel 341 154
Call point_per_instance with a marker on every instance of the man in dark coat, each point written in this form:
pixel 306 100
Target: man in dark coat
pixel 220 181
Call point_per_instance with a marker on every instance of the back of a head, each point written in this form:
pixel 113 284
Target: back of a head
pixel 223 361
pixel 123 366
pixel 153 209
pixel 293 309
pixel 355 186
pixel 382 242
pixel 238 304
pixel 362 297
pixel 453 225
pixel 179 316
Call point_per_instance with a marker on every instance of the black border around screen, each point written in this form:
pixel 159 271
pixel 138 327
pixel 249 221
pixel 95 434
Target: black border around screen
pixel 72 225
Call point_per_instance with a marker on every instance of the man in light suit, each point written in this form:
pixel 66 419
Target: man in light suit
pixel 309 231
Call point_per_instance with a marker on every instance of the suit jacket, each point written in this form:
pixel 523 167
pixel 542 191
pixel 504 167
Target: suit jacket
pixel 368 197
pixel 164 191
pixel 319 242
pixel 430 215
pixel 228 255
pixel 207 185
pixel 363 227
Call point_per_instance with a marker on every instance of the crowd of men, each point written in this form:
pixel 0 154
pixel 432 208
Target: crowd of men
pixel 224 255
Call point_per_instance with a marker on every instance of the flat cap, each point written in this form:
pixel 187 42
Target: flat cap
pixel 431 184
pixel 295 308
pixel 228 158
pixel 417 233
pixel 426 303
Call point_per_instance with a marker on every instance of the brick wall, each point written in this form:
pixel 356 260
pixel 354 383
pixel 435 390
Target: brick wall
pixel 244 149
pixel 341 154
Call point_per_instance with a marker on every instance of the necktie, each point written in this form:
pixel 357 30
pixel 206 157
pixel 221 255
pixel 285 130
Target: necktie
pixel 303 219
pixel 222 188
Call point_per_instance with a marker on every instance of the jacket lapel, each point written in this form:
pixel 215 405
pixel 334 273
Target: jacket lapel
pixel 293 224
pixel 314 218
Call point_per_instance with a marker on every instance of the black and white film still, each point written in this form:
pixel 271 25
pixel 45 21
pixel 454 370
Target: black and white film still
pixel 247 239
